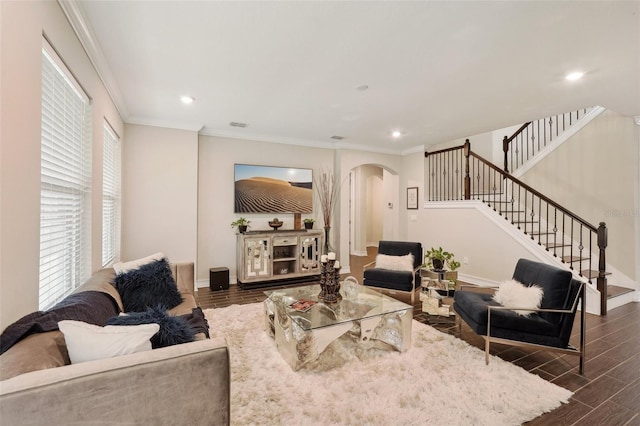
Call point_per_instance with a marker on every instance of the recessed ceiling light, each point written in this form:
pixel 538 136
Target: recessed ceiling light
pixel 187 99
pixel 396 133
pixel 337 137
pixel 362 87
pixel 576 75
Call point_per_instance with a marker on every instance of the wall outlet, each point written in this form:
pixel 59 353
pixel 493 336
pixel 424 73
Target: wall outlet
pixel 465 260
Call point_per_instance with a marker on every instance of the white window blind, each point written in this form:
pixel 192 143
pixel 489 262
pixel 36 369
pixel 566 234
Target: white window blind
pixel 110 196
pixel 65 182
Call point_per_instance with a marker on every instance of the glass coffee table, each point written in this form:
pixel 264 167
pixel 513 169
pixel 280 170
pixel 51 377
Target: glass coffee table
pixel 315 333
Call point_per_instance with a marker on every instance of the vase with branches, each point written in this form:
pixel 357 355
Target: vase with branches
pixel 327 196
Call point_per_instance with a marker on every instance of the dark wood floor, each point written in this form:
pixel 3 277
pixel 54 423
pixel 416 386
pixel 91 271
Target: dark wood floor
pixel 607 394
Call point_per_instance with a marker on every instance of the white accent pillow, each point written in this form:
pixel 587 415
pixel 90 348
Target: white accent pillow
pixel 122 267
pixel 88 342
pixel 395 263
pixel 514 294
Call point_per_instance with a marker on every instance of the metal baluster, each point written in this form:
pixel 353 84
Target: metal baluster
pixel 571 248
pixel 540 222
pixel 555 232
pixel 580 250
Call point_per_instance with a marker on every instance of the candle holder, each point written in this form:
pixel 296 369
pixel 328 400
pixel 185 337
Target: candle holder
pixel 329 280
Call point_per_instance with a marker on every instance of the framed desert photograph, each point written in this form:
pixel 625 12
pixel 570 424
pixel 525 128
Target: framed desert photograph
pixel 272 189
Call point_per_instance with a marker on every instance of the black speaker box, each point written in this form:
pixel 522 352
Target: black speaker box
pixel 219 279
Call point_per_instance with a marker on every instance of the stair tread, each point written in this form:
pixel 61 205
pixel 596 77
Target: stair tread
pixel 525 221
pixel 556 245
pixel 591 273
pixel 571 259
pixel 614 290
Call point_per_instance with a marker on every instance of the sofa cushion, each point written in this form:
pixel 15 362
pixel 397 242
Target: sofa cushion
pixel 393 280
pixel 555 282
pixel 102 281
pixel 35 352
pixel 88 342
pixel 513 294
pixel 174 330
pixel 400 248
pixel 473 309
pixel 150 285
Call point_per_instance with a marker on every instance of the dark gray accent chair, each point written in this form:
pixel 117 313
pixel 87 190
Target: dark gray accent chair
pixel 547 328
pixel 401 285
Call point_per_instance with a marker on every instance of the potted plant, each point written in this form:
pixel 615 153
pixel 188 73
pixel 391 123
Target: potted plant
pixel 308 223
pixel 241 223
pixel 437 257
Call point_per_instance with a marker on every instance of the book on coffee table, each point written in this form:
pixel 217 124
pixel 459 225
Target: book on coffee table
pixel 302 305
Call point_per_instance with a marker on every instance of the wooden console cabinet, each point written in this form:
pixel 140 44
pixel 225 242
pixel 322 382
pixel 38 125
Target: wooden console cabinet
pixel 264 256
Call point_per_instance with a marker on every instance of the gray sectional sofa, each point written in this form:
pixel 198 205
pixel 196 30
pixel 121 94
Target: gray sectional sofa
pixel 182 384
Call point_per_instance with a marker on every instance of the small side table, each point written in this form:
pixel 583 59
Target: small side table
pixel 436 302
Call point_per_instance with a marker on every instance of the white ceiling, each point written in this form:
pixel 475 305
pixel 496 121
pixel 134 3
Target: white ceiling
pixel 437 71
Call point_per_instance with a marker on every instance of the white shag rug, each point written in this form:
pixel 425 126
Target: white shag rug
pixel 440 380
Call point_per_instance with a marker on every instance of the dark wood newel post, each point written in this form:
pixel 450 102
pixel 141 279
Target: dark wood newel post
pixel 602 268
pixel 467 178
pixel 505 149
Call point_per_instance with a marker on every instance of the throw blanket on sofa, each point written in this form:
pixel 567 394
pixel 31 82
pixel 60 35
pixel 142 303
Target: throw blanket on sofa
pixel 93 307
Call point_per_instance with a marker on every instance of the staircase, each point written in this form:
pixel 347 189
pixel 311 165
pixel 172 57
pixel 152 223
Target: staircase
pixel 459 174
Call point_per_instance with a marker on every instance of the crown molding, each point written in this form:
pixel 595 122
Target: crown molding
pixel 73 11
pixel 414 150
pixel 298 142
pixel 191 127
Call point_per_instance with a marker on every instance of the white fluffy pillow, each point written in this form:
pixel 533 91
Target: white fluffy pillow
pixel 122 267
pixel 395 263
pixel 87 342
pixel 514 294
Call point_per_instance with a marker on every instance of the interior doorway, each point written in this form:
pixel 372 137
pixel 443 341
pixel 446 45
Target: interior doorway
pixel 372 207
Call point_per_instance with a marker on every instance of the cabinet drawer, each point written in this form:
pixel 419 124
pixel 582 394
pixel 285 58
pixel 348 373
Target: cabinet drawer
pixel 285 241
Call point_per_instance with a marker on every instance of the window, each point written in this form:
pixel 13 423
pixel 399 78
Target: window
pixel 65 182
pixel 110 196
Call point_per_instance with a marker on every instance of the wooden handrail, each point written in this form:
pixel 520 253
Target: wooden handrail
pixel 538 134
pixel 440 151
pixel 536 193
pixel 517 132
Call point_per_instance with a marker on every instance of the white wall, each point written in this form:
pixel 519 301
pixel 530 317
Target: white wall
pixel 391 216
pixel 413 171
pixel 217 156
pixel 375 207
pixel 22 24
pixel 592 175
pixel 160 193
pixel 463 230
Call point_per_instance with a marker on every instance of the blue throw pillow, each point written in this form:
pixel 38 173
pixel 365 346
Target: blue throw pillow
pixel 150 285
pixel 174 330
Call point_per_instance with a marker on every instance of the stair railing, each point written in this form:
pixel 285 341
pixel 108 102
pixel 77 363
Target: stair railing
pixel 533 136
pixel 459 174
